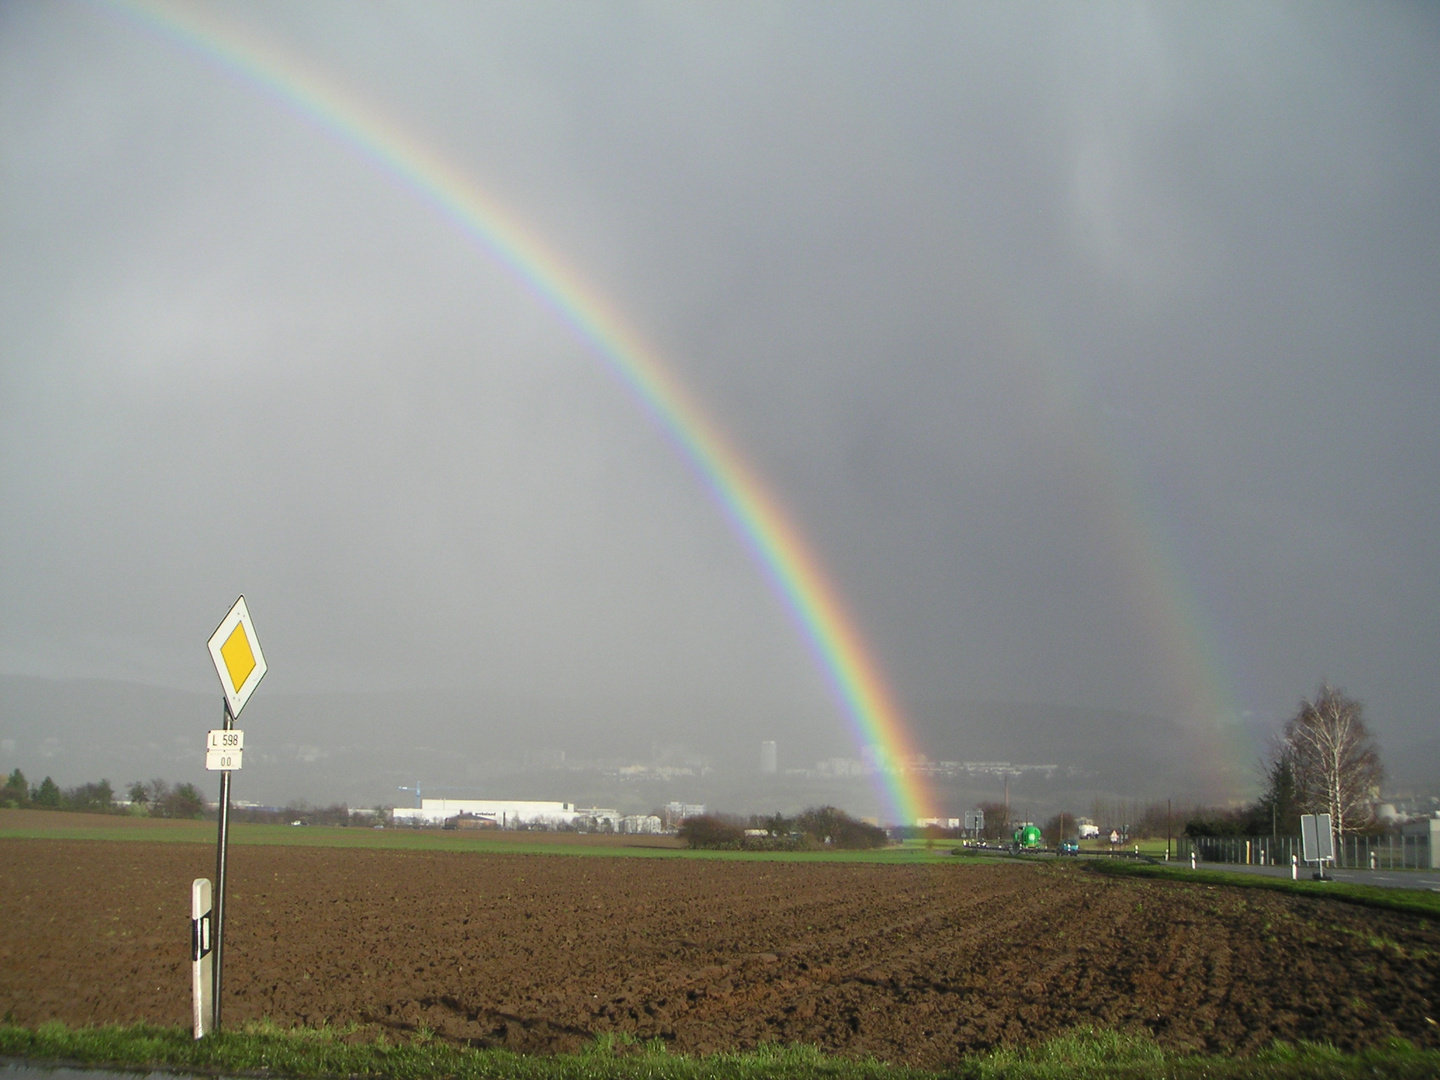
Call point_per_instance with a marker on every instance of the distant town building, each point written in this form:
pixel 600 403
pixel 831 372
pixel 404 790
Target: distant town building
pixel 597 819
pixel 641 824
pixel 501 814
pixel 676 812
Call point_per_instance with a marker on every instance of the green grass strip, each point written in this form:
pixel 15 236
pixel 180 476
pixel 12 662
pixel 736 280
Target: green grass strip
pixel 266 1050
pixel 1419 902
pixel 203 832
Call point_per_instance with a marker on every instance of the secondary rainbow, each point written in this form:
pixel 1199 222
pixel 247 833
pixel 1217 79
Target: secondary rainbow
pixel 781 551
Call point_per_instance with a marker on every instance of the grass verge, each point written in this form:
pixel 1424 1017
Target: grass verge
pixel 1419 902
pixel 266 1050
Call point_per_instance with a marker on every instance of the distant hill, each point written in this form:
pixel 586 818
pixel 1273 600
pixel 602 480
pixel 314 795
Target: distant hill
pixel 360 748
pixel 1122 754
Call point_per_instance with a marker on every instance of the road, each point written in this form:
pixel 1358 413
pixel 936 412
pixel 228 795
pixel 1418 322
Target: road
pixel 1386 879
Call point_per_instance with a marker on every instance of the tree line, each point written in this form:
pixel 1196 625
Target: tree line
pixel 153 798
pixel 301 812
pixel 817 827
pixel 1324 761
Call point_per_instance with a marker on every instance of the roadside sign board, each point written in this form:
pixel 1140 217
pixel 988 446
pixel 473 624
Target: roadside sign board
pixel 238 659
pixel 223 748
pixel 1317 841
pixel 1324 837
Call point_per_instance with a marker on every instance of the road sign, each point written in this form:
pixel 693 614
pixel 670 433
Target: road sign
pixel 1325 837
pixel 223 760
pixel 238 659
pixel 240 665
pixel 1317 841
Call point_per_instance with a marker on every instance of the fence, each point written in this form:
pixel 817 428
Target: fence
pixel 1387 852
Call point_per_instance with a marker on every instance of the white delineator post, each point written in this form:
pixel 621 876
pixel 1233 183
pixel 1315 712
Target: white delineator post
pixel 200 955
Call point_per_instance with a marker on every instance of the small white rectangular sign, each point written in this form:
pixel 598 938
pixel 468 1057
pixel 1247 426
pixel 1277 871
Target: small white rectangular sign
pixel 220 739
pixel 222 760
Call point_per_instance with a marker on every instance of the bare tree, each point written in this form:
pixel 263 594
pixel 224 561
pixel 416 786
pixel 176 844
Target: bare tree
pixel 1336 767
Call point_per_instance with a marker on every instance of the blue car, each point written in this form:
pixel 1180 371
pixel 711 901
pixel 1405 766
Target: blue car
pixel 1069 847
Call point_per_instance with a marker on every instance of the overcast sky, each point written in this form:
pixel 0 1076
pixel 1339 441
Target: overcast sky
pixel 1092 347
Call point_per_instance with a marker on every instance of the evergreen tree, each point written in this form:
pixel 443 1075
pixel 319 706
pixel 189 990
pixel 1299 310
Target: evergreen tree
pixel 1278 811
pixel 16 791
pixel 47 794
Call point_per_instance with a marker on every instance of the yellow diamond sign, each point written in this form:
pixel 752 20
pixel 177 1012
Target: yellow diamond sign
pixel 238 659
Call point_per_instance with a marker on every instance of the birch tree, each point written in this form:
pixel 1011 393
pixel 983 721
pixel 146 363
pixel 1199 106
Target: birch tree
pixel 1332 755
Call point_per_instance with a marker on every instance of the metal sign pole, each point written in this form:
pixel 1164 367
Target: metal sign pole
pixel 219 903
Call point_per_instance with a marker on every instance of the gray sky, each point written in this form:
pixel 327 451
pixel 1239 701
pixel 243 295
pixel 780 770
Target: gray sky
pixel 1094 348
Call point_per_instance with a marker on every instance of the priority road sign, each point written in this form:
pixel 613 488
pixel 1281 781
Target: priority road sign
pixel 238 659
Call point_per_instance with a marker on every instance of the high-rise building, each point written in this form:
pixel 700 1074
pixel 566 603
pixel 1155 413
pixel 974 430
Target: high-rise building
pixel 768 757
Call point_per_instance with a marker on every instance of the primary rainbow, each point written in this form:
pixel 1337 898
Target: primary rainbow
pixel 777 545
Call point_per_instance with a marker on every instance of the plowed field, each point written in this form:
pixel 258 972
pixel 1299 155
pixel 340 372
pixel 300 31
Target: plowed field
pixel 541 953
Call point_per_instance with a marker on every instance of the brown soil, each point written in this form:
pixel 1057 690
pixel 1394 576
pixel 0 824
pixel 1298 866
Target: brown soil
pixel 915 964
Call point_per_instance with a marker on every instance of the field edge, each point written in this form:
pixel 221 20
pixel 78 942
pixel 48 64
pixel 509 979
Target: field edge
pixel 266 1050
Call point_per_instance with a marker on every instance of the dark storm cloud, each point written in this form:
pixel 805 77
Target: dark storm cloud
pixel 986 292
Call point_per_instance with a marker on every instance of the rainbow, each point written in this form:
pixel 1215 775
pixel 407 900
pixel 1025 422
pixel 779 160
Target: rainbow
pixel 776 544
pixel 1159 588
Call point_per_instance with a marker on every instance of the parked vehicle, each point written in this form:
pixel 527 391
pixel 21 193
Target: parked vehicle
pixel 1027 838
